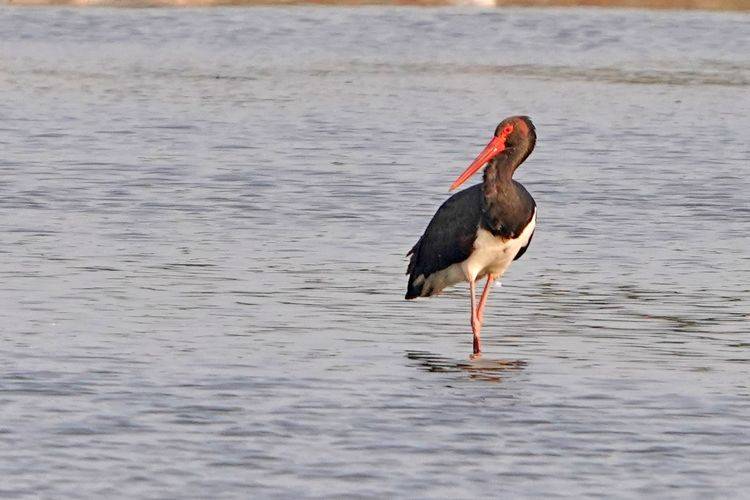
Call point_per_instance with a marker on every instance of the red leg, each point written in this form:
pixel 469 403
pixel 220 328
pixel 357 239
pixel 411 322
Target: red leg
pixel 483 300
pixel 476 324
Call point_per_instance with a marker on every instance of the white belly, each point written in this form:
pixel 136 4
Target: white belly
pixel 491 255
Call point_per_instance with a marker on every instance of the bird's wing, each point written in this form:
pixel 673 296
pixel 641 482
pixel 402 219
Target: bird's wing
pixel 530 205
pixel 448 239
pixel 523 248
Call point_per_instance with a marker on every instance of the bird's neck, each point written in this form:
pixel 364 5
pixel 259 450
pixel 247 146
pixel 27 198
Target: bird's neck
pixel 498 176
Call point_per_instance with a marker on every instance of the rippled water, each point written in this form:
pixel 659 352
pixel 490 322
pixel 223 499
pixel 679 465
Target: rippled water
pixel 203 222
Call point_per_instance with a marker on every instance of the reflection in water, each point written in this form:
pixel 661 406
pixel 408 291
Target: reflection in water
pixel 480 368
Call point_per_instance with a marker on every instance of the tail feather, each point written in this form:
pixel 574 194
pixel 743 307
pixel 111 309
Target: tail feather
pixel 413 290
pixel 414 252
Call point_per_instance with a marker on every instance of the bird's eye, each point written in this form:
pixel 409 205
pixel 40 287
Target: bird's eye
pixel 507 130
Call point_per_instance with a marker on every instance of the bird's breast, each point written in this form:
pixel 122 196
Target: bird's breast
pixel 493 254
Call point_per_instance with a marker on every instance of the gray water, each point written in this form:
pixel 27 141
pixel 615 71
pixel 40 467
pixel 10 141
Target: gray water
pixel 203 222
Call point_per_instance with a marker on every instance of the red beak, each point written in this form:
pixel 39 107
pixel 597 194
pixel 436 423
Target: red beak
pixel 494 148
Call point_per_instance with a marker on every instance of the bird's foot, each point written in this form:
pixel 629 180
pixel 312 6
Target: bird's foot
pixel 477 347
pixel 476 327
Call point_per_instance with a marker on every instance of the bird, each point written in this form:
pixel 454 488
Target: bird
pixel 478 232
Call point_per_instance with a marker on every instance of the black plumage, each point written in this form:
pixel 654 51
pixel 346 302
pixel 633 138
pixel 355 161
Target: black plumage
pixel 480 231
pixel 499 204
pixel 449 237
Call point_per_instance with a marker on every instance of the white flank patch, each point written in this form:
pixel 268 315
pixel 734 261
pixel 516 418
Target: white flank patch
pixel 441 279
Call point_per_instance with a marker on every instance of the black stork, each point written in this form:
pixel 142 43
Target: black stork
pixel 479 231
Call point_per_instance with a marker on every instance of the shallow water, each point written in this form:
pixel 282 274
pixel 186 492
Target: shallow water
pixel 203 222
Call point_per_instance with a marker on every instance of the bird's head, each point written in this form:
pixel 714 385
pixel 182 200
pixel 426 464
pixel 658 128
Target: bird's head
pixel 512 134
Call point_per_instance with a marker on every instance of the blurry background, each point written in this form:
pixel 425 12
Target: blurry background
pixel 739 5
pixel 204 215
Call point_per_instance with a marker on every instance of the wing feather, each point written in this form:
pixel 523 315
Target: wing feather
pixel 448 239
pixel 523 248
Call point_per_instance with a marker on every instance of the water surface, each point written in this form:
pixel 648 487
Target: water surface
pixel 203 222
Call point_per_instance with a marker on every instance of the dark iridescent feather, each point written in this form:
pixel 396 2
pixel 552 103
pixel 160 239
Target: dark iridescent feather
pixel 448 239
pixel 450 235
